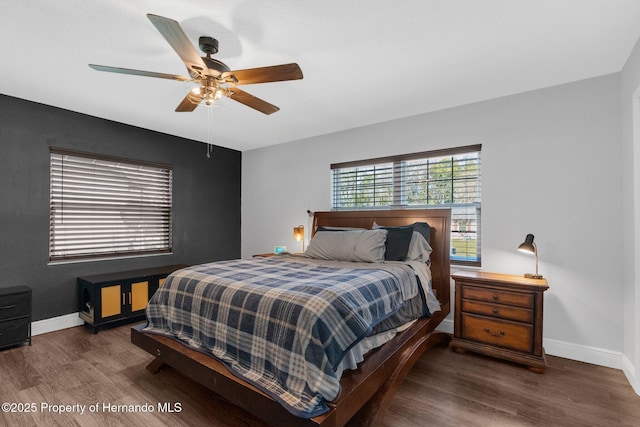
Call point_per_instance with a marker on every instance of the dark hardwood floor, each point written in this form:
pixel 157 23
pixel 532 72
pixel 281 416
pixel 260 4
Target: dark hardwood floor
pixel 75 367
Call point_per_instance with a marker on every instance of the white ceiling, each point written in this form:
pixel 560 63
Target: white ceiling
pixel 364 61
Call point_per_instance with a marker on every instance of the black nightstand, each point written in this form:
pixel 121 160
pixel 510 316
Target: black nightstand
pixel 15 316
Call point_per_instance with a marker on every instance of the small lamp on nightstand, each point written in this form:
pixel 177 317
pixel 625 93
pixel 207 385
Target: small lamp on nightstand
pixel 298 234
pixel 530 247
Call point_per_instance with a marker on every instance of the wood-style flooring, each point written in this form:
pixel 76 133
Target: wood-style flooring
pixel 74 367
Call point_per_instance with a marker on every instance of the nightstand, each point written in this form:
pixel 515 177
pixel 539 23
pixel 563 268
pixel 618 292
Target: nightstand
pixel 15 316
pixel 500 315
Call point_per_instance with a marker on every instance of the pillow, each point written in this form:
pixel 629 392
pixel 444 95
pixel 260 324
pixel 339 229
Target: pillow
pixel 424 229
pixel 421 227
pixel 351 245
pixel 419 248
pixel 398 239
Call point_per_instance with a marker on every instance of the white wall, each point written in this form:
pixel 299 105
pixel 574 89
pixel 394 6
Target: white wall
pixel 551 165
pixel 631 214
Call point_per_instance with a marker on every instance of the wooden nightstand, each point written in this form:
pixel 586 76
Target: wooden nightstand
pixel 500 315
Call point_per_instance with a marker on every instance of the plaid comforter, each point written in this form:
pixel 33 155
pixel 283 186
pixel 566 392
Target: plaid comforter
pixel 281 323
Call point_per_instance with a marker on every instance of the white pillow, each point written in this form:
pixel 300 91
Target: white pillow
pixel 351 245
pixel 419 248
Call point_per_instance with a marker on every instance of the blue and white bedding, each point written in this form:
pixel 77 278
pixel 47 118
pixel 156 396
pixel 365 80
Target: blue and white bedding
pixel 283 323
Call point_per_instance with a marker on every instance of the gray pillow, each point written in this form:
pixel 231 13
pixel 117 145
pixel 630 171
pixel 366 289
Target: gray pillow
pixel 352 245
pixel 419 248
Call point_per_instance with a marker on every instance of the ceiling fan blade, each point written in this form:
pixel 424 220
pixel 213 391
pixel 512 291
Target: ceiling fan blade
pixel 173 34
pixel 188 104
pixel 274 73
pixel 139 72
pixel 252 101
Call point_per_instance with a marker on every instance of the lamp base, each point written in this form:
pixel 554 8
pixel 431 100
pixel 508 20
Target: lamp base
pixel 533 276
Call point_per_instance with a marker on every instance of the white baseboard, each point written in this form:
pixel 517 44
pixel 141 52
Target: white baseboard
pixel 56 324
pixel 583 353
pixel 630 372
pixel 446 326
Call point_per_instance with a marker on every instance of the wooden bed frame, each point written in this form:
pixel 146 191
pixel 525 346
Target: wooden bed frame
pixel 366 392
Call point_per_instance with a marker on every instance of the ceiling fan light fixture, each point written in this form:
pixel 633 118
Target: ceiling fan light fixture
pixel 207 92
pixel 214 96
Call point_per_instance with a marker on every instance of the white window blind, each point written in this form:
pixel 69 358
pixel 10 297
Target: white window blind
pixel 104 207
pixel 442 178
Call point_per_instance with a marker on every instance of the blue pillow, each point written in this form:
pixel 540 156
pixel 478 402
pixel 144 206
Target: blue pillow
pixel 424 229
pixel 397 244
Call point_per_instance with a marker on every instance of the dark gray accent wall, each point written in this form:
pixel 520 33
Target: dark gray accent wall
pixel 206 198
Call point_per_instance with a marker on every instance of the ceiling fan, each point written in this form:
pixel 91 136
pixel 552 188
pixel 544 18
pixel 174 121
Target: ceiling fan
pixel 212 79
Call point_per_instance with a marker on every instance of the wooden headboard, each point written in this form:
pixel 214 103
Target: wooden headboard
pixel 438 219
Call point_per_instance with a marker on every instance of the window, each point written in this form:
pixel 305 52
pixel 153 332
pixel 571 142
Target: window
pixel 105 207
pixel 432 179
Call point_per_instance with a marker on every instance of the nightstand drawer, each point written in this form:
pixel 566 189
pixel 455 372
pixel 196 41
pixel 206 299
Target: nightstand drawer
pixel 14 305
pixel 499 296
pixel 498 310
pixel 14 331
pixel 514 336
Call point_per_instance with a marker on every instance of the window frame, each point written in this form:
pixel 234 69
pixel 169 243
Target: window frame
pixel 90 197
pixel 396 166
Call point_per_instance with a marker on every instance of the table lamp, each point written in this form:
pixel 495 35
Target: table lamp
pixel 298 234
pixel 530 247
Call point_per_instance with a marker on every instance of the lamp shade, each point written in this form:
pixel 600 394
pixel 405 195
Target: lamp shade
pixel 527 245
pixel 298 234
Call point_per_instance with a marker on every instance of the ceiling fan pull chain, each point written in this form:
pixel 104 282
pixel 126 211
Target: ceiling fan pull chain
pixel 209 136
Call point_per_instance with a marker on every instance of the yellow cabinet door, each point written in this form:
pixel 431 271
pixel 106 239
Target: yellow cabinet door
pixel 111 301
pixel 139 296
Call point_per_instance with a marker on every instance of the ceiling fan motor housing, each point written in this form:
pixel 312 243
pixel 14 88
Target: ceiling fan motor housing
pixel 208 45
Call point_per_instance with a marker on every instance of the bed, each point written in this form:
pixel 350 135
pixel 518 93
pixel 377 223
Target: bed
pixel 365 392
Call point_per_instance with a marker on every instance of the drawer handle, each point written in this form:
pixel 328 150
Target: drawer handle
pixel 495 297
pixel 495 311
pixel 493 334
pixel 7 307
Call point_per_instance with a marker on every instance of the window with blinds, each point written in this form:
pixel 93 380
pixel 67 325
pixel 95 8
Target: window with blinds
pixel 432 179
pixel 105 207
